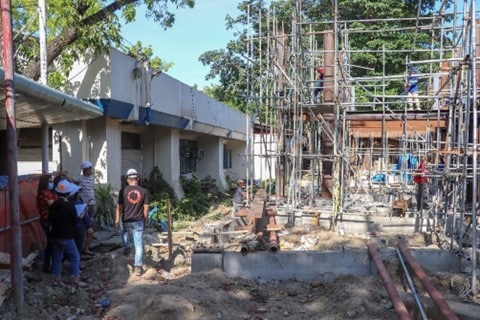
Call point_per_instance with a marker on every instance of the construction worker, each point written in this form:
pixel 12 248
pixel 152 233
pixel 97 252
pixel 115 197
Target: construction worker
pixel 132 209
pixel 318 86
pixel 412 89
pixel 239 196
pixel 421 179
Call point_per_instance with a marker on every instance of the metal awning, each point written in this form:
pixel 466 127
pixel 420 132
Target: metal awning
pixel 37 104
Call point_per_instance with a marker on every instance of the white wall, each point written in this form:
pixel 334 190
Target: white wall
pixel 239 164
pixel 264 144
pixel 93 81
pixel 212 162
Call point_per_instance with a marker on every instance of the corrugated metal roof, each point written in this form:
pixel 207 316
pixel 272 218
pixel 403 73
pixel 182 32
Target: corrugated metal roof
pixel 37 104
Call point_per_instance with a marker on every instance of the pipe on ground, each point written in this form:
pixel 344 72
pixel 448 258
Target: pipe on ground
pixel 388 283
pixel 436 296
pixel 272 235
pixel 244 249
pixel 273 245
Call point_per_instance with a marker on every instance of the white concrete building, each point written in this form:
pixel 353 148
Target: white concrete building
pixel 149 120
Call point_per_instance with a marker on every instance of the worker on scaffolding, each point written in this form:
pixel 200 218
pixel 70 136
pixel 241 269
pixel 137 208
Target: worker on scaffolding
pixel 411 87
pixel 421 179
pixel 318 86
pixel 239 196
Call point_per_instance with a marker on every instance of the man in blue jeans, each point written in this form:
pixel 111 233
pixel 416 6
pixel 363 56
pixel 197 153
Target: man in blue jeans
pixel 63 217
pixel 132 207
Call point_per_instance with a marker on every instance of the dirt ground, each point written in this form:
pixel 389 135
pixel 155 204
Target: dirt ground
pixel 167 289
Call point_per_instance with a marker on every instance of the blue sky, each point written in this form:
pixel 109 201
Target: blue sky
pixel 195 31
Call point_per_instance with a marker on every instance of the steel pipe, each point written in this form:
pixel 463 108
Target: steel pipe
pixel 400 309
pixel 412 285
pixel 272 235
pixel 244 249
pixel 436 296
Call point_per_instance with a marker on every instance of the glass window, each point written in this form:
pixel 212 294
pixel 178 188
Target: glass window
pixel 227 158
pixel 188 156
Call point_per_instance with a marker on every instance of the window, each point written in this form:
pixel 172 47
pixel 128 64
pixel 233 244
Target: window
pixel 188 156
pixel 131 140
pixel 227 158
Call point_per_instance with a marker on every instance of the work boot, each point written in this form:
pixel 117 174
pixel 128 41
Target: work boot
pixel 127 251
pixel 138 271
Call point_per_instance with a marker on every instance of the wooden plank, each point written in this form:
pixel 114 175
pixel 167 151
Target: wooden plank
pixel 248 228
pixel 220 233
pixel 275 227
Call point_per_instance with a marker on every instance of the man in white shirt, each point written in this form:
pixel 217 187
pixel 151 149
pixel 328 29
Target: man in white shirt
pixel 87 183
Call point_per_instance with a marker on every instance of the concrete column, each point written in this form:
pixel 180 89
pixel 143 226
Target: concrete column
pixel 67 146
pixel 148 149
pixel 109 160
pixel 167 156
pixel 212 162
pixel 98 141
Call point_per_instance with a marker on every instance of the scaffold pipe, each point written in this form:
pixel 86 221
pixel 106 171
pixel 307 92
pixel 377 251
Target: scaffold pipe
pixel 388 283
pixel 436 296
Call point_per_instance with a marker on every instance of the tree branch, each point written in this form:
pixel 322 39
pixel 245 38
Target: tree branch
pixel 70 35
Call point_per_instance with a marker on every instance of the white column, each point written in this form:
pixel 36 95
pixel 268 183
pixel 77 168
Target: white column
pixel 167 156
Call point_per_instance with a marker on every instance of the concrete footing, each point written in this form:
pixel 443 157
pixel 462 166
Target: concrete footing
pixel 362 223
pixel 309 265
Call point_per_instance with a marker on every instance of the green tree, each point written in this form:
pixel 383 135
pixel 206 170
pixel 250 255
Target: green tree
pixel 142 53
pixel 79 27
pixel 241 72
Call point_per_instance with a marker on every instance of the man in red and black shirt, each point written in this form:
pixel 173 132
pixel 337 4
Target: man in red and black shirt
pixel 421 179
pixel 132 207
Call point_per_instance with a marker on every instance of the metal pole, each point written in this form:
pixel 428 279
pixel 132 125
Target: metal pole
pixel 473 81
pixel 16 234
pixel 398 305
pixel 169 229
pixel 436 295
pixel 43 41
pixel 43 76
pixel 412 285
pixel 45 157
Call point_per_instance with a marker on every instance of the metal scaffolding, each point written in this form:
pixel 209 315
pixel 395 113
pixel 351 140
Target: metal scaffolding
pixel 321 149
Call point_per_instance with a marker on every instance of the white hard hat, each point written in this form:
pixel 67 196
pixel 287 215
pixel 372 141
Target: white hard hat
pixel 131 173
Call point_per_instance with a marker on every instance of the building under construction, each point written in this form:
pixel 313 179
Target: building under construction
pixel 351 145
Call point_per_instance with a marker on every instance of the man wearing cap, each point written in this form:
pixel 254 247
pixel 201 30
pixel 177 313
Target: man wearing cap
pixel 63 217
pixel 239 196
pixel 87 183
pixel 132 208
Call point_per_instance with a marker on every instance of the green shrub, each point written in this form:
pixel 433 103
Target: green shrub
pixel 199 196
pixel 158 186
pixel 106 207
